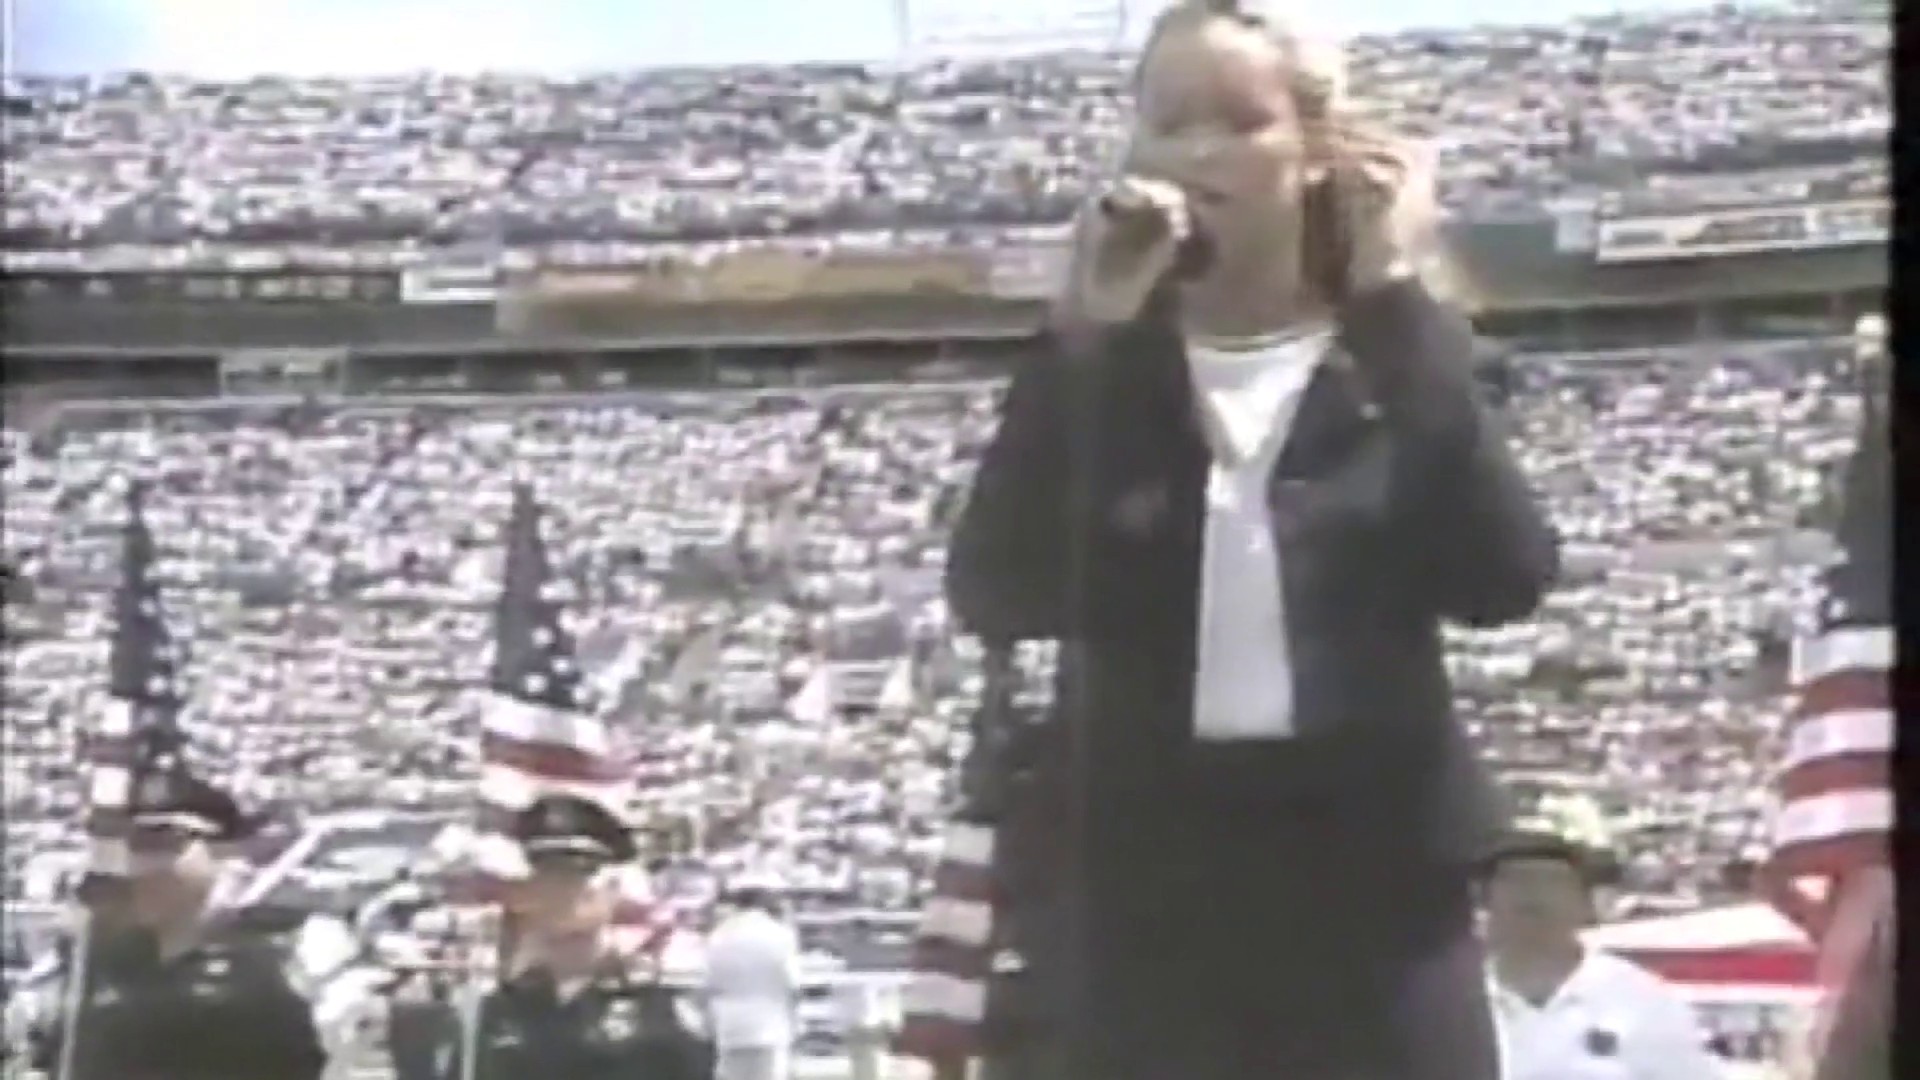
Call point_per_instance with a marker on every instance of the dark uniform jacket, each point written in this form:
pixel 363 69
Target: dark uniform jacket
pixel 613 1028
pixel 1334 887
pixel 1397 505
pixel 223 1010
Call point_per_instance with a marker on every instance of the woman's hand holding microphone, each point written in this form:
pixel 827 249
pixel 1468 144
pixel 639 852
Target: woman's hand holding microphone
pixel 1132 239
pixel 1144 229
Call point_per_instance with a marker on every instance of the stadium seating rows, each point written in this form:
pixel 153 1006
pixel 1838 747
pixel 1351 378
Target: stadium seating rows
pixel 334 577
pixel 183 171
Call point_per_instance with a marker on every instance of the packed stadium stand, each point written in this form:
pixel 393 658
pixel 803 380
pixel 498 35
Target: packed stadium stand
pixel 396 166
pixel 300 311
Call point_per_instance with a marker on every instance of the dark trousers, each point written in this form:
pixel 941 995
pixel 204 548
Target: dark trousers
pixel 1237 938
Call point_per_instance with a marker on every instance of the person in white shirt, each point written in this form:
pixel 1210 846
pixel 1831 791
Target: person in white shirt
pixel 1563 1011
pixel 753 984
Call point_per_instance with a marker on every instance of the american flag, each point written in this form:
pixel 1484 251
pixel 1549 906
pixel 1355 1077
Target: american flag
pixel 539 733
pixel 944 1005
pixel 138 729
pixel 1831 834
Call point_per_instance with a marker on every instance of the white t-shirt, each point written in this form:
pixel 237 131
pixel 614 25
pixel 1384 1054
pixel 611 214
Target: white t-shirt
pixel 1247 397
pixel 1611 1020
pixel 753 981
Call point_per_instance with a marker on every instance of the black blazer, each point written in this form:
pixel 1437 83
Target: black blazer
pixel 1397 504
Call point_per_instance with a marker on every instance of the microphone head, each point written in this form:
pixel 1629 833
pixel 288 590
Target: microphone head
pixel 1194 257
pixel 1196 250
pixel 1124 202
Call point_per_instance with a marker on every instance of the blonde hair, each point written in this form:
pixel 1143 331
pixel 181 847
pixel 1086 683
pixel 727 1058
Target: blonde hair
pixel 1318 63
pixel 1374 163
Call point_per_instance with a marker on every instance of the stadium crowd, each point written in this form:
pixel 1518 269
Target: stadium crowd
pixel 754 584
pixel 753 580
pixel 156 167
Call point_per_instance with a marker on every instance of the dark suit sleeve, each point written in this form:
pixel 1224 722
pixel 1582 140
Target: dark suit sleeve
pixel 1006 565
pixel 1479 546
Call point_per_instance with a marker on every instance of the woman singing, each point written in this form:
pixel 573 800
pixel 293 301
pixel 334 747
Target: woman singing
pixel 1246 492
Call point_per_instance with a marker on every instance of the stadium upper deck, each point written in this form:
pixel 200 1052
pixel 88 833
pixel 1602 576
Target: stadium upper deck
pixel 1526 287
pixel 1637 178
pixel 191 171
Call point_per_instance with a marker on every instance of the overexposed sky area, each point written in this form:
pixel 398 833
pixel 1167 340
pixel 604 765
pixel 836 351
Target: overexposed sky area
pixel 236 38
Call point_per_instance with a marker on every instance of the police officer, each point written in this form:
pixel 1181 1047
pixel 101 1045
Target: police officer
pixel 1564 1011
pixel 186 993
pixel 569 1007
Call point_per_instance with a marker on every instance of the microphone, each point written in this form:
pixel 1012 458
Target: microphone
pixel 1129 201
pixel 1194 256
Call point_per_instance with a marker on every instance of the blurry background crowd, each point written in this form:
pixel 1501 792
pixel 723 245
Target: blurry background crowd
pixel 754 584
pixel 1659 108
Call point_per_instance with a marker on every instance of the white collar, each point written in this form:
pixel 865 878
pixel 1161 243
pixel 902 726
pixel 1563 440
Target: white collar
pixel 1243 388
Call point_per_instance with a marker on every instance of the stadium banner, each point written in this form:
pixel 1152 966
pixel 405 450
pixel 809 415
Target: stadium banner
pixel 281 371
pixel 664 284
pixel 757 276
pixel 1574 224
pixel 769 275
pixel 855 274
pixel 1739 231
pixel 473 283
pixel 551 298
pixel 291 285
pixel 1029 271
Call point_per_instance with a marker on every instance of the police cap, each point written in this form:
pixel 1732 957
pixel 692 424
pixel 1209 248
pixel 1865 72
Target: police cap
pixel 1535 845
pixel 565 827
pixel 175 801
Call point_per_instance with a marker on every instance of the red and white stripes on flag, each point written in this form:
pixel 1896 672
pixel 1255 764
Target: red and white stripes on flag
pixel 944 1004
pixel 1831 857
pixel 1829 870
pixel 111 753
pixel 540 737
pixel 1835 816
pixel 530 751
